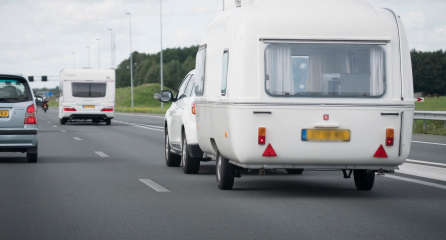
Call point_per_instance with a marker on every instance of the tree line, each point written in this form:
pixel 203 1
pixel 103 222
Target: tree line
pixel 429 69
pixel 177 62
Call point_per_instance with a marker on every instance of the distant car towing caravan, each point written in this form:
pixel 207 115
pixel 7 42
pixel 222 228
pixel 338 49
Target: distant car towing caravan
pixel 87 94
pixel 305 85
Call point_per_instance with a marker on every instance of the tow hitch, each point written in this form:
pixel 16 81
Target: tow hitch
pixel 344 171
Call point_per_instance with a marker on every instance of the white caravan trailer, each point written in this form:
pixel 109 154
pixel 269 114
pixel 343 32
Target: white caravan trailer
pixel 87 94
pixel 305 84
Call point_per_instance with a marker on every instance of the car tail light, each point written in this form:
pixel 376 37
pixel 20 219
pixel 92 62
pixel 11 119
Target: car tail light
pixel 262 135
pixel 390 133
pixel 69 109
pixel 193 108
pixel 107 109
pixel 30 116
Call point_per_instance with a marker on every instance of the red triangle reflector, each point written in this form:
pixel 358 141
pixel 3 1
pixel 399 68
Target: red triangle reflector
pixel 380 153
pixel 269 151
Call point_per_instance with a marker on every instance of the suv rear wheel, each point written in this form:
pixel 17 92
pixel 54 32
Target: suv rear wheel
pixel 190 165
pixel 63 121
pixel 172 160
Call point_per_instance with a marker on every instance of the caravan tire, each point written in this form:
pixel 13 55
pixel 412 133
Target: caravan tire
pixel 364 179
pixel 225 173
pixel 63 121
pixel 172 160
pixel 295 170
pixel 190 165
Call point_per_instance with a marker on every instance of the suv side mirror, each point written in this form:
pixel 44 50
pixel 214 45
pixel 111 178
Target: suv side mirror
pixel 165 96
pixel 157 96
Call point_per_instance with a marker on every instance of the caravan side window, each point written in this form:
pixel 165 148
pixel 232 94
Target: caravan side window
pixel 200 71
pixel 224 75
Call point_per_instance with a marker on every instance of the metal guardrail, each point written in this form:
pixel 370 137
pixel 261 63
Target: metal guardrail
pixel 429 115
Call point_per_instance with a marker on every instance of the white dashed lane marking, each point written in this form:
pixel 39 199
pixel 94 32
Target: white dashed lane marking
pixel 441 144
pixel 101 154
pixel 54 125
pixel 77 138
pixel 155 186
pixel 63 131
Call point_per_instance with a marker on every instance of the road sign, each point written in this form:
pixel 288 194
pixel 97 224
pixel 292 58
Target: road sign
pixel 419 99
pixel 48 94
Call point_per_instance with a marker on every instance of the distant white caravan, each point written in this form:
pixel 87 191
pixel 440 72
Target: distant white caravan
pixel 87 94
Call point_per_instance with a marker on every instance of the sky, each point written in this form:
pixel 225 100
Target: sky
pixel 41 37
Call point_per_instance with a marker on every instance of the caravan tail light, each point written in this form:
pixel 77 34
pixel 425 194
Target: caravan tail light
pixel 390 133
pixel 69 109
pixel 107 109
pixel 262 135
pixel 193 108
pixel 30 116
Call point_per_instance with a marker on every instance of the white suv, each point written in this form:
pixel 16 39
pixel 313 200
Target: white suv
pixel 180 128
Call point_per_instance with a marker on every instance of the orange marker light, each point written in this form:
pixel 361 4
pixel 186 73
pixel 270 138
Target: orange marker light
pixel 390 133
pixel 262 136
pixel 226 134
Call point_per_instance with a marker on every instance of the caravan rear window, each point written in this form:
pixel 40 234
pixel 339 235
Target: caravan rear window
pixel 325 70
pixel 89 90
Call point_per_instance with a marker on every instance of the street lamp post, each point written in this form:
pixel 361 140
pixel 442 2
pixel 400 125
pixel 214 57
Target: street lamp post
pixel 131 58
pixel 223 5
pixel 111 34
pixel 99 56
pixel 88 56
pixel 161 53
pixel 74 59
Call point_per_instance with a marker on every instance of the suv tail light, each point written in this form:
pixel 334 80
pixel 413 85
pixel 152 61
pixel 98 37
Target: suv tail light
pixel 107 109
pixel 262 135
pixel 389 136
pixel 69 109
pixel 30 116
pixel 193 108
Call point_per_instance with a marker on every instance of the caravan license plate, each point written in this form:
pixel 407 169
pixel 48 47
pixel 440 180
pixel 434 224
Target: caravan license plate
pixel 89 106
pixel 4 114
pixel 326 135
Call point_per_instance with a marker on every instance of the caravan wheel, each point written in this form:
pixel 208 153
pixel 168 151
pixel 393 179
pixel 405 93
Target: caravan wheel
pixel 364 179
pixel 225 173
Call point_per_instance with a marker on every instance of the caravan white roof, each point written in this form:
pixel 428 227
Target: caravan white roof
pixel 87 74
pixel 307 19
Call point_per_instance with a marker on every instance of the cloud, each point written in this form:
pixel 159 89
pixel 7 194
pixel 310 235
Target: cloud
pixel 414 20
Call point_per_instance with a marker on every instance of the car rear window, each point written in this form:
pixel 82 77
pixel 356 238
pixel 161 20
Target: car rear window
pixel 14 90
pixel 89 90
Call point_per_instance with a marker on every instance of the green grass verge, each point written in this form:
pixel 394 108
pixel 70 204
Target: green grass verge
pixel 432 127
pixel 142 99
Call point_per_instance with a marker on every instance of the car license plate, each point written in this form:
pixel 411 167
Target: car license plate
pixel 89 106
pixel 4 114
pixel 326 135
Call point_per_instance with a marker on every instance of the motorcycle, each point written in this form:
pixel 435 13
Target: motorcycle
pixel 45 107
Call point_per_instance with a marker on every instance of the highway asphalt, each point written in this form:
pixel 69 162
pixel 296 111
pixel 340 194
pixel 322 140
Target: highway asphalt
pixel 87 185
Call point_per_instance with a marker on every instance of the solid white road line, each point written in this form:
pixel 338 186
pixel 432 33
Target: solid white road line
pixel 48 122
pixel 436 173
pixel 77 138
pixel 63 131
pixel 441 144
pixel 149 127
pixel 155 186
pixel 138 115
pixel 101 154
pixel 54 125
pixel 425 162
pixel 416 181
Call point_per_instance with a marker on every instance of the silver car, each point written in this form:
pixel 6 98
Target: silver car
pixel 18 119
